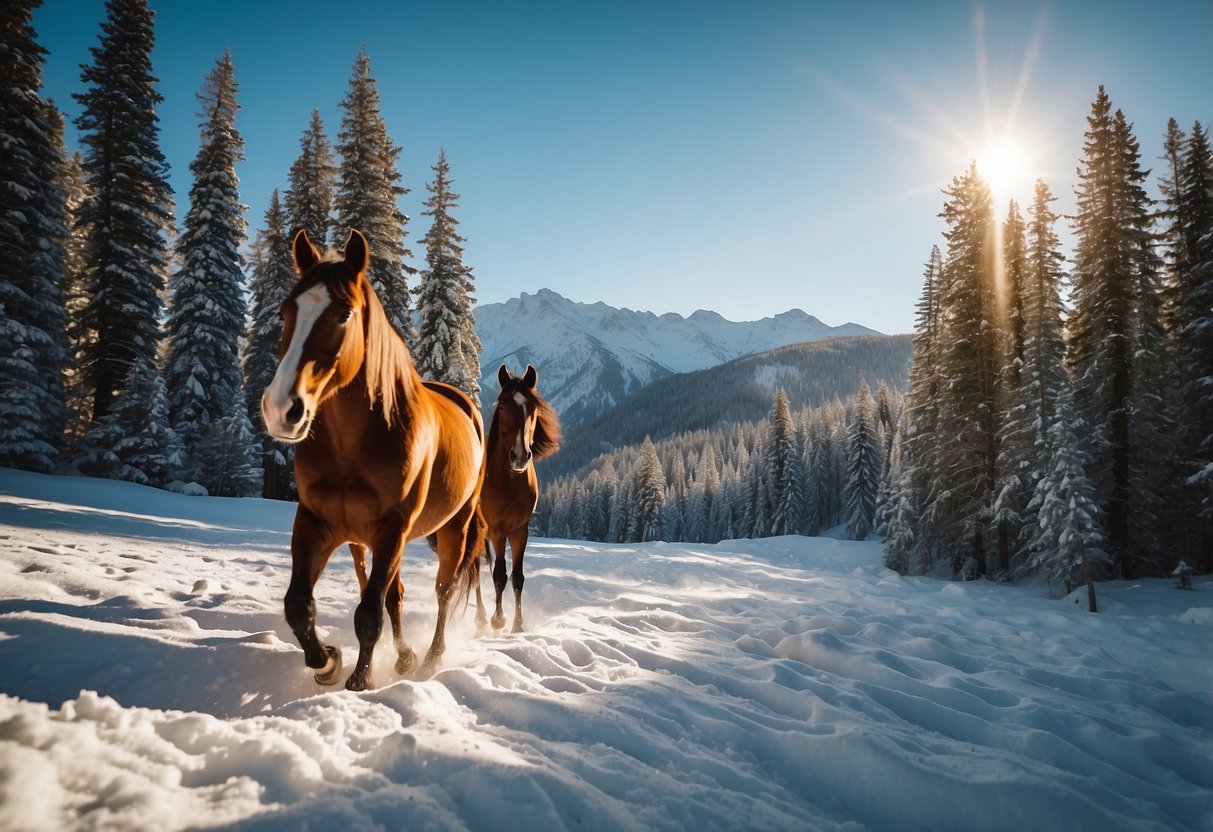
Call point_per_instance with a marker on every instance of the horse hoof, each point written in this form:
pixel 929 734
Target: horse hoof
pixel 328 674
pixel 498 621
pixel 433 661
pixel 405 662
pixel 358 682
pixel 517 627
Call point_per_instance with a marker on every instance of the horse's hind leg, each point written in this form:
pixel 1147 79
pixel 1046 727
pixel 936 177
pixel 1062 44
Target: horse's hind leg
pixel 517 548
pixel 310 550
pixel 406 659
pixel 452 539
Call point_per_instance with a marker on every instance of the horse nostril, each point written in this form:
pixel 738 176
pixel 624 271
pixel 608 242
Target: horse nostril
pixel 296 412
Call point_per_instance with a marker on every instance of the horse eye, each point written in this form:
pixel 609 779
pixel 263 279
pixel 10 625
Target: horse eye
pixel 345 316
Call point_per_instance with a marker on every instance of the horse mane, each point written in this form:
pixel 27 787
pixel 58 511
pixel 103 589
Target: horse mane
pixel 387 363
pixel 548 435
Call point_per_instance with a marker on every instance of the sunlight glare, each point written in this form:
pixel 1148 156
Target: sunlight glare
pixel 1005 166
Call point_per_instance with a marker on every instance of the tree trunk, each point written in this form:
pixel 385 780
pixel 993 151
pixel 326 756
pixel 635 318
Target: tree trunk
pixel 1086 570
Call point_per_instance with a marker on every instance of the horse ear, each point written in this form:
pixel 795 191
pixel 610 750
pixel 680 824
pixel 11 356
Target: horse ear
pixel 503 376
pixel 305 253
pixel 357 252
pixel 531 377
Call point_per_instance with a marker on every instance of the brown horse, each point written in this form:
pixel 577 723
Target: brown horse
pixel 381 457
pixel 524 428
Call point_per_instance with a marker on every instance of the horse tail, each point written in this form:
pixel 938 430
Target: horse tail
pixel 467 576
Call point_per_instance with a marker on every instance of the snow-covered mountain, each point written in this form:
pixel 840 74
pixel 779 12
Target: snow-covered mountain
pixel 591 356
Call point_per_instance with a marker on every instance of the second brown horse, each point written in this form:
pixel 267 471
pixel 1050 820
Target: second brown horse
pixel 524 428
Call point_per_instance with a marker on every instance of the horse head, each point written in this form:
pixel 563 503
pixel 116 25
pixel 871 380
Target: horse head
pixel 517 414
pixel 323 336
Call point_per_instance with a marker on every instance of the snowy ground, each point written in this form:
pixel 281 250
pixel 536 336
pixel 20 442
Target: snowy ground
pixel 149 682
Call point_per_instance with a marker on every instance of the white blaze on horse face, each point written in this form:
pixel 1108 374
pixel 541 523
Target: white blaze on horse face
pixel 520 455
pixel 279 397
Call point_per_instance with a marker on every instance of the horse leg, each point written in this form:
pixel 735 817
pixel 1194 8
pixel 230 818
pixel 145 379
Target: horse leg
pixel 368 615
pixel 358 551
pixel 517 548
pixel 310 550
pixel 406 659
pixel 452 538
pixel 499 578
pixel 482 621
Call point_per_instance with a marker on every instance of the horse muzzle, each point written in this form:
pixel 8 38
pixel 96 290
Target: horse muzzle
pixel 287 419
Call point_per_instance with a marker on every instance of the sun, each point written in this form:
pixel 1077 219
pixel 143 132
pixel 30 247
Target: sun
pixel 1006 166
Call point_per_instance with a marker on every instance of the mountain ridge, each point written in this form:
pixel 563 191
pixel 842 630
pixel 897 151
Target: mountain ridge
pixel 591 356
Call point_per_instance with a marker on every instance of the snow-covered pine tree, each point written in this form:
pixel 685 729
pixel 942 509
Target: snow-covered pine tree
pixel 1188 195
pixel 918 485
pixel 76 390
pixel 812 474
pixel 1024 444
pixel 1066 516
pixel 447 346
pixel 901 509
pixel 134 440
pixel 784 469
pixel 648 494
pixel 1012 487
pixel 128 216
pixel 863 466
pixel 233 453
pixel 32 231
pixel 970 363
pixel 368 187
pixel 309 196
pixel 1114 271
pixel 271 281
pixel 206 310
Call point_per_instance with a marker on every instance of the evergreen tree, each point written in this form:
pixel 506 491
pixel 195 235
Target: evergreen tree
pixel 1114 336
pixel 233 454
pixel 127 217
pixel 918 485
pixel 1024 448
pixel 134 440
pixel 76 390
pixel 1065 513
pixel 447 346
pixel 309 197
pixel 648 494
pixel 367 192
pixel 971 361
pixel 812 475
pixel 1034 358
pixel 784 471
pixel 272 280
pixel 863 466
pixel 32 231
pixel 901 512
pixel 1188 193
pixel 206 296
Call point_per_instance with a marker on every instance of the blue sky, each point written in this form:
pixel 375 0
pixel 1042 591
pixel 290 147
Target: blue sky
pixel 743 157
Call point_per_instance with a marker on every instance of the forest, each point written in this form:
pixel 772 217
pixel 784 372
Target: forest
pixel 1058 409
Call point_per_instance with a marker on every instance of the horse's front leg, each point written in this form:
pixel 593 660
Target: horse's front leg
pixel 517 549
pixel 311 545
pixel 499 577
pixel 386 549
